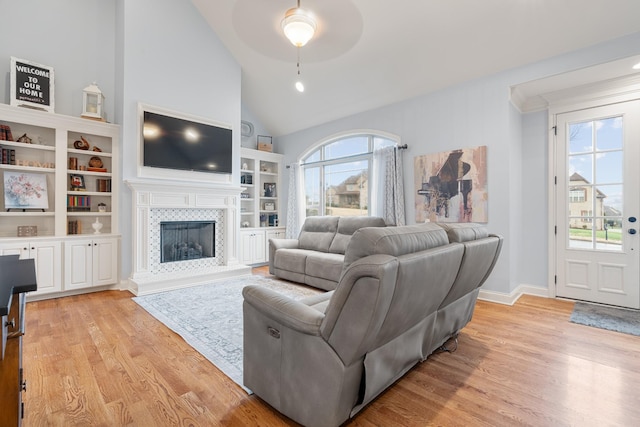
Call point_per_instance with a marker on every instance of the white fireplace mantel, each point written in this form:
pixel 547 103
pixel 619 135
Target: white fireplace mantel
pixel 152 194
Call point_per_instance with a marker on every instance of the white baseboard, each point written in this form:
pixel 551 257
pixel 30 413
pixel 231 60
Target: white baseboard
pixel 511 298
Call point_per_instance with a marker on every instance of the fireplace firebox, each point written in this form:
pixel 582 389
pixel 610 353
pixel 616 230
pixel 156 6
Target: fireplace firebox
pixel 187 240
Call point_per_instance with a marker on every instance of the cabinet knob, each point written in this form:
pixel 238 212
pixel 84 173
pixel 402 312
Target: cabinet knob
pixel 25 249
pixel 33 248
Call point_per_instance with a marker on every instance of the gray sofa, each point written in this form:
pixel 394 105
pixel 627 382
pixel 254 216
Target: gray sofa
pixel 316 257
pixel 403 292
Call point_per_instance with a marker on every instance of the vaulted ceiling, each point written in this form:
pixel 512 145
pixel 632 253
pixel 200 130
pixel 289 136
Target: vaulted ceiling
pixel 370 53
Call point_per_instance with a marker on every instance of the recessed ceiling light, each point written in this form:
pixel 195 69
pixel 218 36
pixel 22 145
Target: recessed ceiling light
pixel 299 86
pixel 637 66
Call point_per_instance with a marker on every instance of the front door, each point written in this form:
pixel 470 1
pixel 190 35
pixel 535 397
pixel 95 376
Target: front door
pixel 597 204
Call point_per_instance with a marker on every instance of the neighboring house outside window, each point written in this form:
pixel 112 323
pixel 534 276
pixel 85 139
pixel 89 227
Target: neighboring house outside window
pixel 581 205
pixel 336 175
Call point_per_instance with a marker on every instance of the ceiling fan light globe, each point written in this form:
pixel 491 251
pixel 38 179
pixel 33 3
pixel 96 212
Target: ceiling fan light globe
pixel 298 26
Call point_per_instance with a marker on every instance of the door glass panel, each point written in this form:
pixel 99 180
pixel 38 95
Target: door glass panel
pixel 582 165
pixel 580 137
pixel 609 167
pixel 347 188
pixel 609 134
pixel 609 226
pixel 595 186
pixel 581 232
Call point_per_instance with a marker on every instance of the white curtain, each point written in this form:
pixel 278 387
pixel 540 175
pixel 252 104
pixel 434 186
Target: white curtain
pixel 388 187
pixel 293 211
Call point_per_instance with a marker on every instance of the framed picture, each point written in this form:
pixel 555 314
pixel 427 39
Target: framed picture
pixel 269 189
pixel 25 190
pixel 31 85
pixel 77 182
pixel 451 186
pixel 269 206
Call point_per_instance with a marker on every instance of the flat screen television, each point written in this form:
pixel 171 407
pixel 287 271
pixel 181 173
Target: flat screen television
pixel 181 144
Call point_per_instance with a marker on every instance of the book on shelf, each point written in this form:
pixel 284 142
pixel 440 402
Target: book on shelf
pixel 78 203
pixel 8 156
pixel 74 227
pixel 5 133
pixel 103 185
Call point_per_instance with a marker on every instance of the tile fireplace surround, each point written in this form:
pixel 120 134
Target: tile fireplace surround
pixel 155 201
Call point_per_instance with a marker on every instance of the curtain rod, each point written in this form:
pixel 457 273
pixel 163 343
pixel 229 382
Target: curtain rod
pixel 399 147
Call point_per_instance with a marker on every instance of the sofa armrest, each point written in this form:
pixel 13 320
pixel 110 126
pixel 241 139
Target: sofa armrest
pixel 286 311
pixel 275 244
pixel 283 243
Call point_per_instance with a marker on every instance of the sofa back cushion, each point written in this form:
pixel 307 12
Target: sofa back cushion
pixel 464 232
pixel 317 233
pixel 347 225
pixel 395 241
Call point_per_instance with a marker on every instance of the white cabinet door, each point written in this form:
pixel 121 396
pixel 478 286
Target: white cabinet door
pixel 46 256
pixel 260 254
pixel 272 234
pixel 78 264
pixel 15 248
pixel 252 247
pixel 105 262
pixel 245 253
pixel 91 262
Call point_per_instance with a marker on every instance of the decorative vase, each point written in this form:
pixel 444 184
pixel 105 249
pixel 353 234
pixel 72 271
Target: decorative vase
pixel 97 226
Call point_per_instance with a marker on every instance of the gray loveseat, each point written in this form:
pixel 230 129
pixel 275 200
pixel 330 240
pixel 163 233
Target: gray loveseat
pixel 316 257
pixel 403 292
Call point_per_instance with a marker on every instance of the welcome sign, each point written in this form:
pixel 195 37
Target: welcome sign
pixel 31 85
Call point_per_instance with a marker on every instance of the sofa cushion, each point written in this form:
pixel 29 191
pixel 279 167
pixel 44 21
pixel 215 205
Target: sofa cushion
pixel 395 241
pixel 317 233
pixel 293 260
pixel 464 232
pixel 347 225
pixel 324 265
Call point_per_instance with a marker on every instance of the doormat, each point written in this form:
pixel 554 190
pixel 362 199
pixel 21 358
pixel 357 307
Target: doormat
pixel 623 320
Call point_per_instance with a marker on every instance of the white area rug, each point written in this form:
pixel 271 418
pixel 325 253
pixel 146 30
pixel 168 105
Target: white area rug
pixel 209 317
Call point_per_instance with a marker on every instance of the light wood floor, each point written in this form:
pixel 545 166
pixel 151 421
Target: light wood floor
pixel 101 360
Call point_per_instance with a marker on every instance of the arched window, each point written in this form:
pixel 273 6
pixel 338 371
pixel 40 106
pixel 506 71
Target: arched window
pixel 339 174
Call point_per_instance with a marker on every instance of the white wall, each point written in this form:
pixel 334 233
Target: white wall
pixel 258 128
pixel 533 237
pixel 74 37
pixel 480 113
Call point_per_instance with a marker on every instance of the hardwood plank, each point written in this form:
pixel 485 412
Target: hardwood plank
pixel 100 359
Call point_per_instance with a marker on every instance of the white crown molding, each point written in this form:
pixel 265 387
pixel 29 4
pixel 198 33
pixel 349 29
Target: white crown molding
pixel 626 86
